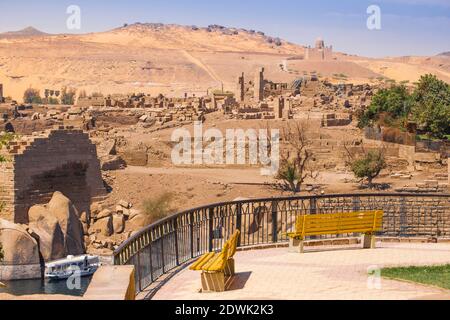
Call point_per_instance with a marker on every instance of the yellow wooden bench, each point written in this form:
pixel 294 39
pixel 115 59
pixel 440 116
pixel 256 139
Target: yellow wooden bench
pixel 365 222
pixel 216 267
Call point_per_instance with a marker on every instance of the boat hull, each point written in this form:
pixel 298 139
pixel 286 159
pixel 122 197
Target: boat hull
pixel 67 275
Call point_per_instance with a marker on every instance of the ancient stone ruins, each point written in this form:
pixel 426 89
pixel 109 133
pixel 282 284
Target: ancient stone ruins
pixel 64 189
pixel 62 160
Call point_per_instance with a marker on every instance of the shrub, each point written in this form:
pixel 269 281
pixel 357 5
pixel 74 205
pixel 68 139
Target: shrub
pixel 5 138
pixel 157 208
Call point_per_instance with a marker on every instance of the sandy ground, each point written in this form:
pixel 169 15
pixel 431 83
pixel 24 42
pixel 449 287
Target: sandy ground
pixel 194 187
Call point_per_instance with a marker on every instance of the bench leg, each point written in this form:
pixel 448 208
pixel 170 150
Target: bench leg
pixel 296 246
pixel 230 268
pixel 369 241
pixel 213 282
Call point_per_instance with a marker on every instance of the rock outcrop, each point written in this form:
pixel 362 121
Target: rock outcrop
pixel 20 246
pixel 59 226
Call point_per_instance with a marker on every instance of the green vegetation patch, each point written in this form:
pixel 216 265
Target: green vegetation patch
pixel 438 276
pixel 428 105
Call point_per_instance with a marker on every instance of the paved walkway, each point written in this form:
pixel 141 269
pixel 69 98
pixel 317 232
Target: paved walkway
pixel 334 274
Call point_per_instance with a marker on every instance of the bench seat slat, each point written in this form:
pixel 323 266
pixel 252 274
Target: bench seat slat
pixel 342 231
pixel 331 232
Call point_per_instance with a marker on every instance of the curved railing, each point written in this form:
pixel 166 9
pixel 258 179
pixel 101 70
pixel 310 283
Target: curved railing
pixel 173 241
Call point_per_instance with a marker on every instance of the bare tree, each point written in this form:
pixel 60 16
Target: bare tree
pixel 297 158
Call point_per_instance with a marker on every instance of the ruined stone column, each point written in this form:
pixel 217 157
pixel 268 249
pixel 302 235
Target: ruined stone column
pixel 279 106
pixel 259 85
pixel 242 87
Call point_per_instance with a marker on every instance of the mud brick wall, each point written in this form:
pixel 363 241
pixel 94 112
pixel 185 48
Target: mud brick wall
pixel 62 160
pixel 6 189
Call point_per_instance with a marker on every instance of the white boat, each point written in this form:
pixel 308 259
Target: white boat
pixel 84 265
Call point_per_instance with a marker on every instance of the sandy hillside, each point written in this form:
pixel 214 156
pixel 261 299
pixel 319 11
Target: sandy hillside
pixel 173 59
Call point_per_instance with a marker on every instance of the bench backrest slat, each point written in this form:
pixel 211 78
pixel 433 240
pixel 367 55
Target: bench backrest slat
pixel 233 244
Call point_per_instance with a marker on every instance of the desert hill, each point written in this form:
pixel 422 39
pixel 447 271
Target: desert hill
pixel 27 32
pixel 173 59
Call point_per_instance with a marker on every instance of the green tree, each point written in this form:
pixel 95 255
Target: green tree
pixel 32 96
pixel 369 166
pixel 68 96
pixel 428 105
pixel 394 103
pixel 431 106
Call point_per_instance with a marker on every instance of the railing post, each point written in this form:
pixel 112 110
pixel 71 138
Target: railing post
pixel 191 233
pixel 139 271
pixel 175 226
pixel 239 221
pixel 356 204
pixel 403 218
pixel 313 210
pixel 356 201
pixel 161 237
pixel 275 221
pixel 151 262
pixel 313 206
pixel 210 229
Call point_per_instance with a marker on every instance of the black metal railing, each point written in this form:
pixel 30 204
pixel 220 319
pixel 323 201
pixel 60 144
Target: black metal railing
pixel 171 242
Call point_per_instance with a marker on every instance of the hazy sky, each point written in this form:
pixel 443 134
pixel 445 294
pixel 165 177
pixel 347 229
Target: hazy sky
pixel 409 27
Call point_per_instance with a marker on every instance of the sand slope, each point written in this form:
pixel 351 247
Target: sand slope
pixel 172 59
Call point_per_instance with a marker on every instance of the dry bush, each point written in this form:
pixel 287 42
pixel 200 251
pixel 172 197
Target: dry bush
pixel 157 208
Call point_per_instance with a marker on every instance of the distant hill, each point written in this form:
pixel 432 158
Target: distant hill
pixel 212 37
pixel 27 32
pixel 446 54
pixel 175 59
